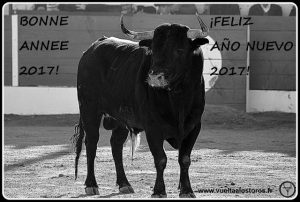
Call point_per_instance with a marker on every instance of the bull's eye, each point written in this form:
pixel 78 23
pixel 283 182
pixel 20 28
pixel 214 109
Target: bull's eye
pixel 180 50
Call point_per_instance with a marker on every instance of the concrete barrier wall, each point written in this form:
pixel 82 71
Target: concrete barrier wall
pixel 56 69
pixel 274 68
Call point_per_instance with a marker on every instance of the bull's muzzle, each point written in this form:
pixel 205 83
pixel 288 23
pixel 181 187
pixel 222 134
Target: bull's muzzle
pixel 157 80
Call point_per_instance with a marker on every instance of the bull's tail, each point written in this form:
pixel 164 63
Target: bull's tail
pixel 77 139
pixel 134 141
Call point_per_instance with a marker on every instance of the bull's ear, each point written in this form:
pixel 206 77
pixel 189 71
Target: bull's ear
pixel 196 43
pixel 146 42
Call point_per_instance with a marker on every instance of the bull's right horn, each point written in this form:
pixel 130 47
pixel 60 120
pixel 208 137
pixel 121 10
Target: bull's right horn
pixel 136 35
pixel 198 33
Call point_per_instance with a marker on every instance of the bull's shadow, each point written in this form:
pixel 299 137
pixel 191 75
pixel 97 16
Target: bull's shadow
pixel 54 155
pixel 101 196
pixel 23 131
pixel 231 130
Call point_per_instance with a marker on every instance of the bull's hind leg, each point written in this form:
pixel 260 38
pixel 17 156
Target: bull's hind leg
pixel 185 162
pixel 91 123
pixel 117 140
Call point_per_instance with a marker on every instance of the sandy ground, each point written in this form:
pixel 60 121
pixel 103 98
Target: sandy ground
pixel 234 151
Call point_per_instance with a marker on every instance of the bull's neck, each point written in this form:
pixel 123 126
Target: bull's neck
pixel 172 105
pixel 179 97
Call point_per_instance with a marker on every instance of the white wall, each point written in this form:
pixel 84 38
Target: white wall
pixel 268 100
pixel 40 100
pixel 63 100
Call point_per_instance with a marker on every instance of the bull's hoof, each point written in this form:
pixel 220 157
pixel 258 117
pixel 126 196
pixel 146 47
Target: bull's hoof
pixel 159 196
pixel 92 191
pixel 187 195
pixel 126 190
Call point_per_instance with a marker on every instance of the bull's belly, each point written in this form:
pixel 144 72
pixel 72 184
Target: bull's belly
pixel 125 115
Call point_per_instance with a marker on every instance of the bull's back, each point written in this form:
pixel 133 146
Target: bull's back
pixel 103 55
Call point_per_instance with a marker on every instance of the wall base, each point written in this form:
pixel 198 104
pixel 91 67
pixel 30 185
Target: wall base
pixel 268 100
pixel 63 100
pixel 40 100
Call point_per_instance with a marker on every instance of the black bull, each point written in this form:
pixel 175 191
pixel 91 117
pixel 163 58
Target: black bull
pixel 114 78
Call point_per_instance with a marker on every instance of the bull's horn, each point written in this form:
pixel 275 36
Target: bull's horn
pixel 136 35
pixel 198 33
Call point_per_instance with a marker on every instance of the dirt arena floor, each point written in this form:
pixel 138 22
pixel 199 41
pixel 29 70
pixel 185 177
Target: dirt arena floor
pixel 234 151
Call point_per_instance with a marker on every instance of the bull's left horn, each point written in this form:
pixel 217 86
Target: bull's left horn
pixel 136 35
pixel 198 33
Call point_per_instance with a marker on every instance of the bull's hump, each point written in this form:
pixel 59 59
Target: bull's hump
pixel 122 41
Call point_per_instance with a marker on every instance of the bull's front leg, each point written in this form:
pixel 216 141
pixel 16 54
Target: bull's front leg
pixel 184 161
pixel 155 142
